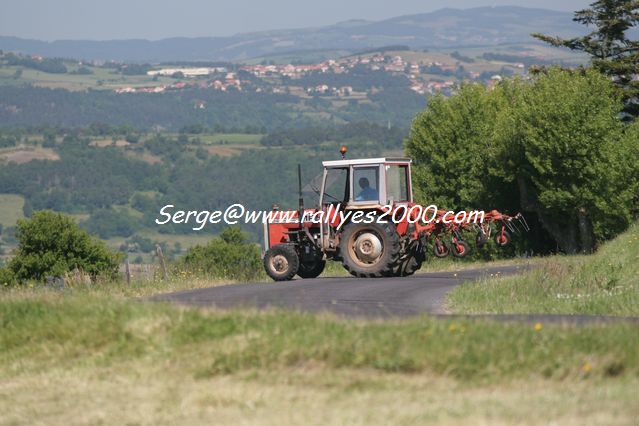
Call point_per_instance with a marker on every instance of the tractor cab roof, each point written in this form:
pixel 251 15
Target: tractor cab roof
pixel 366 161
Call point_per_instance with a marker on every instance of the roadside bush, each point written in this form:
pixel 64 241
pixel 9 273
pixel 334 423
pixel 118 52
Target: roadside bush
pixel 51 244
pixel 231 255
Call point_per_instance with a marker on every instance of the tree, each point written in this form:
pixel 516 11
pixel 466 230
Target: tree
pixel 613 54
pixel 51 244
pixel 452 144
pixel 563 148
pixel 555 147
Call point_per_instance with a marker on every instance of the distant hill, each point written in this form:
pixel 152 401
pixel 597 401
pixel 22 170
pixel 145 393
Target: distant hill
pixel 445 28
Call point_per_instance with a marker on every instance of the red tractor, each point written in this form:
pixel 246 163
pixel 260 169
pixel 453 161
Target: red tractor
pixel 366 219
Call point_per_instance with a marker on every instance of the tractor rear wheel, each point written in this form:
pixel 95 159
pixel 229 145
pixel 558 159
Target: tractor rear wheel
pixel 370 250
pixel 311 269
pixel 281 262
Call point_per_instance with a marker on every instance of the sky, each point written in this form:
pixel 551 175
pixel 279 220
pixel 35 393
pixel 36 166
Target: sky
pixel 157 19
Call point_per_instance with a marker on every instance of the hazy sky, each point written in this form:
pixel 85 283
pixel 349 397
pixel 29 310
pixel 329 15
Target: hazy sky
pixel 155 19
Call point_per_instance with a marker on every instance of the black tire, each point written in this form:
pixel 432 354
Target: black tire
pixel 445 250
pixel 311 269
pixel 410 265
pixel 377 265
pixel 502 240
pixel 460 249
pixel 281 262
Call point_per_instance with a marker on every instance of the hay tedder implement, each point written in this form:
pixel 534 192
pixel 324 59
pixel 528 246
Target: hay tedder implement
pixel 366 219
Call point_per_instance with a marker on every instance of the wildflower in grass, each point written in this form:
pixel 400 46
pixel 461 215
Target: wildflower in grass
pixel 538 326
pixel 587 367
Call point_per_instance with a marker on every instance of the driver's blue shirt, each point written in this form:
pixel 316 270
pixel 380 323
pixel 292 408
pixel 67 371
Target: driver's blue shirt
pixel 367 194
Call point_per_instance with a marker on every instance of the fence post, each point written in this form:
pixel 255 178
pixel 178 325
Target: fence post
pixel 158 249
pixel 127 271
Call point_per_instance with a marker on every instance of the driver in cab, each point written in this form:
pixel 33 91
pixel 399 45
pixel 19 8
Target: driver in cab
pixel 366 193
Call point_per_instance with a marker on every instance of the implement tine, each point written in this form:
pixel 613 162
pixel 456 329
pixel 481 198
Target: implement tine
pixel 523 222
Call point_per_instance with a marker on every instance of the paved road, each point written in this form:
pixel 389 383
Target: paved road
pixel 370 298
pixel 387 297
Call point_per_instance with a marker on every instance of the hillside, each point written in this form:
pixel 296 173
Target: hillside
pixel 445 28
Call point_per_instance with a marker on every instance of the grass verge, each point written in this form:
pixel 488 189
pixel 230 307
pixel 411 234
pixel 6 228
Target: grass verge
pixel 605 283
pixel 98 358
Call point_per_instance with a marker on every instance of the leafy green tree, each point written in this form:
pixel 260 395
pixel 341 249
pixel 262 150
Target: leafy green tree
pixel 51 244
pixel 612 52
pixel 563 148
pixel 452 143
pixel 555 147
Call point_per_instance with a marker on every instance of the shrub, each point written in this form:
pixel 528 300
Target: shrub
pixel 231 255
pixel 51 244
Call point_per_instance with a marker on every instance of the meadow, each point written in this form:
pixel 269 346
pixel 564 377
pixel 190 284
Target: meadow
pixel 103 353
pixel 96 356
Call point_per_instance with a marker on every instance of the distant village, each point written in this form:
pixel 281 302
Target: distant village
pixel 281 78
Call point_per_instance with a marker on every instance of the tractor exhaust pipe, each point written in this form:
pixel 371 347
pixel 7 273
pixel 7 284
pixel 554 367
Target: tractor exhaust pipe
pixel 301 197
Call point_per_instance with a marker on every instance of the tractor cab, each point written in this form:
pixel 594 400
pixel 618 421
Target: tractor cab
pixel 366 183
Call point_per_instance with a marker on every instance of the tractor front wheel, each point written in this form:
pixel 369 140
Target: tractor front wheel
pixel 410 265
pixel 370 250
pixel 281 262
pixel 311 269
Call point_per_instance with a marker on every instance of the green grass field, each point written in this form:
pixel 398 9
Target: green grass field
pixel 10 209
pixel 102 78
pixel 606 283
pixel 231 138
pixel 96 357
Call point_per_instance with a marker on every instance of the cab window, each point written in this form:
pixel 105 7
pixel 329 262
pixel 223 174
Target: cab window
pixel 397 183
pixel 366 183
pixel 336 186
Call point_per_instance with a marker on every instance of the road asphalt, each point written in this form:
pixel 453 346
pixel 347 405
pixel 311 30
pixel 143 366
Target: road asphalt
pixel 366 298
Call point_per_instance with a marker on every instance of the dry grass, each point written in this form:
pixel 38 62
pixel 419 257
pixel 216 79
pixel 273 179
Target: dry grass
pixel 21 155
pixel 225 151
pixel 145 156
pixel 144 393
pixel 109 142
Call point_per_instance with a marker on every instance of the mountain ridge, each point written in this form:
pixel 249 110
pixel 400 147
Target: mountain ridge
pixel 443 28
